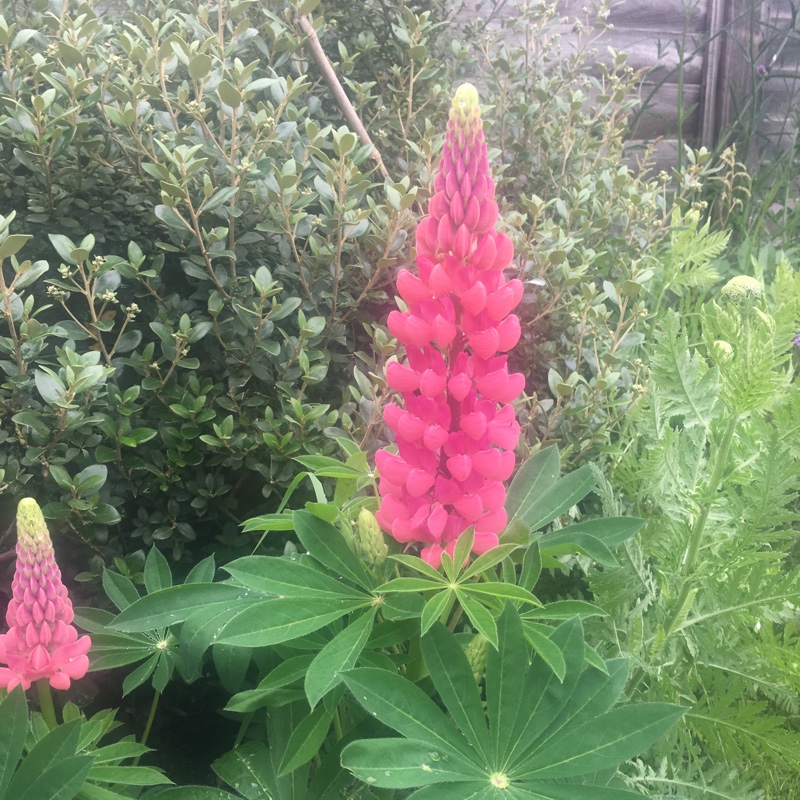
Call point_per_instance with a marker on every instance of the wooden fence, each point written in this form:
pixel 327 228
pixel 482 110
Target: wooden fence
pixel 719 57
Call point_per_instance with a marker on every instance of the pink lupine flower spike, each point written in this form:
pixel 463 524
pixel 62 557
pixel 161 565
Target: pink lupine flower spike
pixel 457 431
pixel 41 641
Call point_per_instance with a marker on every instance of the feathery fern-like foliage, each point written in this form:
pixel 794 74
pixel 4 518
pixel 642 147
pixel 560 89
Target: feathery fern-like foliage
pixel 705 597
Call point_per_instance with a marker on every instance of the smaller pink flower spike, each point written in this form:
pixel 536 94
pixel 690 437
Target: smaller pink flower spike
pixel 41 641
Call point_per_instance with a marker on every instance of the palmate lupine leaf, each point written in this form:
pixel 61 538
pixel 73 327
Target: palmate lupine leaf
pixel 538 738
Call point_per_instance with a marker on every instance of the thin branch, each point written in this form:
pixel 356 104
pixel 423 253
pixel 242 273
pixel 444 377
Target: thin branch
pixel 342 100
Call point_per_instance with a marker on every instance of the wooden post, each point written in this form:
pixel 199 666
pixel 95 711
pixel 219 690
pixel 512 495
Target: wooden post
pixel 728 78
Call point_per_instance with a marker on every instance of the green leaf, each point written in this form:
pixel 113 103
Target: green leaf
pixel 326 545
pixel 283 619
pixel 203 571
pixel 488 560
pixel 565 609
pixel 454 682
pixel 60 781
pixel 51 768
pixel 218 199
pixel 531 567
pixel 547 650
pixel 63 246
pixel 202 628
pixel 538 473
pixel 157 574
pixel 195 793
pixel 285 578
pixel 247 769
pixel 434 608
pixel 130 776
pixel 403 706
pixel 418 565
pixel 61 477
pixel 173 605
pixel 285 674
pixel 557 499
pixel 339 655
pixel 229 94
pixel 269 522
pixel 121 592
pixel 169 218
pixel 12 244
pixel 686 386
pixel 13 726
pixel 560 543
pixel 325 467
pixel 30 274
pixel 50 387
pixel 140 674
pixel 411 585
pixel 507 591
pixel 460 791
pixel 595 693
pixel 306 740
pixel 604 741
pixel 609 530
pixel 480 617
pixel 544 695
pixel 405 763
pixel 505 678
pixel 231 664
pixel 572 791
pixel 199 66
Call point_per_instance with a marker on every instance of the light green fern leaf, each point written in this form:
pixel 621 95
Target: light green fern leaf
pixel 687 387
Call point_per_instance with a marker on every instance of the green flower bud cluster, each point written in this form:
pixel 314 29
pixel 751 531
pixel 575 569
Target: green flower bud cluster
pixel 477 652
pixel 743 289
pixel 371 541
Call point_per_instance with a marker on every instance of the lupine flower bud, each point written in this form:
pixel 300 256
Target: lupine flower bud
pixel 477 651
pixel 456 431
pixel 371 543
pixel 41 641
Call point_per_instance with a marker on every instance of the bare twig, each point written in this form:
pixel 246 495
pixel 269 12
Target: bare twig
pixel 343 101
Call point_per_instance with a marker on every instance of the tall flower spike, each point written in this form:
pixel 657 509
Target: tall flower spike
pixel 456 432
pixel 41 641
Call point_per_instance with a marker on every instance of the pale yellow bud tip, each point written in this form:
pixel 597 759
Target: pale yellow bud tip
pixel 465 102
pixel 30 521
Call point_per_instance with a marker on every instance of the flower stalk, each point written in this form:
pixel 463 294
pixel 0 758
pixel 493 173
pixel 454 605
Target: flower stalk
pixel 456 430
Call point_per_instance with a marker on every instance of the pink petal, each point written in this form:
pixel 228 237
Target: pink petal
pixel 469 506
pixel 401 378
pixel 474 299
pixel 432 555
pixel 440 282
pixel 419 481
pixel 485 343
pixel 460 466
pixel 459 386
pixel 484 542
pixel 474 425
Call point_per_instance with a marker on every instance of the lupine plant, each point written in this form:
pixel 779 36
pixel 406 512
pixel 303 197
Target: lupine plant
pixel 331 648
pixel 41 759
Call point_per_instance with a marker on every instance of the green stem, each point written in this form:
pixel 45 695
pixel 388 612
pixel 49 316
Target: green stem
pixel 456 617
pixel 46 702
pixel 246 720
pixel 337 725
pixel 696 536
pixel 149 724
